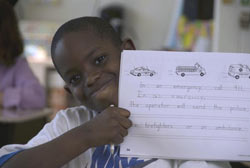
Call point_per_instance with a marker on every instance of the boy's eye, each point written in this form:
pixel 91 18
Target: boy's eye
pixel 100 60
pixel 75 79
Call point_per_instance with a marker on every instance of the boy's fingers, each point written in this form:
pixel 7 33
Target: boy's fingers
pixel 125 122
pixel 123 117
pixel 118 139
pixel 124 132
pixel 121 111
pixel 124 113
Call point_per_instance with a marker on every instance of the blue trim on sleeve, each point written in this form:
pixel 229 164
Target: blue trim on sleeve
pixel 6 157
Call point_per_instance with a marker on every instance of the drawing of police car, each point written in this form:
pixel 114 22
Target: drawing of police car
pixel 239 70
pixel 142 71
pixel 190 70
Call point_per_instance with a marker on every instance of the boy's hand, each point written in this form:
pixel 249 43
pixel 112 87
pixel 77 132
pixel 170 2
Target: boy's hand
pixel 110 126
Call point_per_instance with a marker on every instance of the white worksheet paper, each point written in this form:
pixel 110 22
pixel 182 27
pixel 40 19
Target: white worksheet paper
pixel 186 105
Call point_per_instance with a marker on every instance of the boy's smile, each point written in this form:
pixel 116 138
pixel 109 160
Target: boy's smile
pixel 90 68
pixel 99 87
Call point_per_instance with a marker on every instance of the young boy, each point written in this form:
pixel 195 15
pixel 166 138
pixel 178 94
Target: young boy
pixel 86 53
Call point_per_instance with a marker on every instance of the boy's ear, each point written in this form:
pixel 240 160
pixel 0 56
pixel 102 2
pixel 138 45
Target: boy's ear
pixel 128 44
pixel 67 89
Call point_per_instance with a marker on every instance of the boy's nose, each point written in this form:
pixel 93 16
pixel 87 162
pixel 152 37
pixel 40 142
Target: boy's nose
pixel 92 78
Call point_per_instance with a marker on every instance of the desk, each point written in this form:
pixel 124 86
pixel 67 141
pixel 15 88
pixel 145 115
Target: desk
pixel 19 116
pixel 18 126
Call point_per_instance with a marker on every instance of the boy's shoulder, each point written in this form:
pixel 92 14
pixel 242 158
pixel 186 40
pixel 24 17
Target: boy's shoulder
pixel 64 121
pixel 75 109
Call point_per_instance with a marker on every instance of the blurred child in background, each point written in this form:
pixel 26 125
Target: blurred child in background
pixel 19 88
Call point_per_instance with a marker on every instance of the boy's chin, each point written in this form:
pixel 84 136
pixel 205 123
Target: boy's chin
pixel 104 100
pixel 101 106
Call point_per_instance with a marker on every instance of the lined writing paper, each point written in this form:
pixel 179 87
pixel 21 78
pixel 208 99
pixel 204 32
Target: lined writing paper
pixel 186 105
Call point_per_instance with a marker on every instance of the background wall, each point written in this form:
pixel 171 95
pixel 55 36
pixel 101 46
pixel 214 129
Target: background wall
pixel 228 36
pixel 147 21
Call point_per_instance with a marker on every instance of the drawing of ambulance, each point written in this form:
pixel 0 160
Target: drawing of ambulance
pixel 239 70
pixel 190 70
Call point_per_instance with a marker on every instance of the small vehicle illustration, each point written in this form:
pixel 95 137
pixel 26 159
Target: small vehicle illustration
pixel 142 71
pixel 239 70
pixel 190 70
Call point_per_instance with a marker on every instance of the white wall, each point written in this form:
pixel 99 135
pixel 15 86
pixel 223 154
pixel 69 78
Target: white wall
pixel 147 21
pixel 229 37
pixel 61 12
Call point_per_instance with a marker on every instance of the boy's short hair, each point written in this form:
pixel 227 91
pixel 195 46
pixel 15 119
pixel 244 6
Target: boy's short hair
pixel 97 25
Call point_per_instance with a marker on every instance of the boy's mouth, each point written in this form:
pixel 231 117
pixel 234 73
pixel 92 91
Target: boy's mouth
pixel 100 87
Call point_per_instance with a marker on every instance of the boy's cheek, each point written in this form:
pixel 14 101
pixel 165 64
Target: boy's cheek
pixel 99 101
pixel 109 94
pixel 104 99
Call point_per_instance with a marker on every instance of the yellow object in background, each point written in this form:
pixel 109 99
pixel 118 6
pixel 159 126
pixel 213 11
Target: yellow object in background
pixel 228 1
pixel 189 31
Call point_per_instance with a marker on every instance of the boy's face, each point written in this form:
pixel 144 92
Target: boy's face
pixel 90 67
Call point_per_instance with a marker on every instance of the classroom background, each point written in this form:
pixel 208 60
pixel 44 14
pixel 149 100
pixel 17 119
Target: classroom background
pixel 172 25
pixel 182 25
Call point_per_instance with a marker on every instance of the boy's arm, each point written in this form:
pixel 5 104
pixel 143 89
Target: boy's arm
pixel 108 127
pixel 52 154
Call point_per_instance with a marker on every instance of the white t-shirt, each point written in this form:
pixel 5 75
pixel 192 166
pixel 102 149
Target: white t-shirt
pixel 70 118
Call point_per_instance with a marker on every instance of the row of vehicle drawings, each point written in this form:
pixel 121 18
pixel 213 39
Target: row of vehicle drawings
pixel 235 70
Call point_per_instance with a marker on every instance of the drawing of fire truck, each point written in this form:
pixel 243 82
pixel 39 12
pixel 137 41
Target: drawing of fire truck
pixel 190 70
